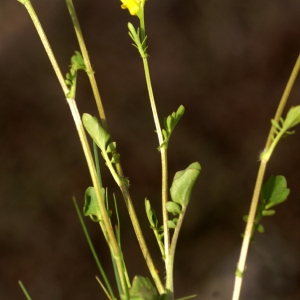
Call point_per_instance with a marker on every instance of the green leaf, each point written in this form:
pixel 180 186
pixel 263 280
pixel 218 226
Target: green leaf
pixel 260 228
pixel 91 207
pixel 77 61
pixel 245 218
pixel 274 191
pixel 267 213
pixel 170 123
pixel 142 289
pixel 151 214
pixel 292 118
pixel 172 120
pixel 183 183
pixel 171 224
pixel 173 208
pixel 96 131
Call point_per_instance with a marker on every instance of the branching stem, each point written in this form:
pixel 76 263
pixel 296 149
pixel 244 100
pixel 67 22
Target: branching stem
pixel 105 222
pixel 256 194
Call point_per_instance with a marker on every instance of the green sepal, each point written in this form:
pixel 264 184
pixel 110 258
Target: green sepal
pixel 96 131
pixel 142 289
pixel 183 183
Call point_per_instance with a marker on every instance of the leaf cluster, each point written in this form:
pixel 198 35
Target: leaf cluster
pixel 282 129
pixel 273 192
pixel 137 42
pixel 77 63
pixel 170 123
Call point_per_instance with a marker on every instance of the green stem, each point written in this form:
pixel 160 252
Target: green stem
pixel 173 248
pixel 45 43
pixel 87 62
pixel 164 163
pixel 97 163
pixel 89 241
pixel 24 290
pixel 256 194
pixel 107 228
pixel 123 187
pixel 105 223
pixel 284 98
pixel 248 232
pixel 141 239
pixel 142 25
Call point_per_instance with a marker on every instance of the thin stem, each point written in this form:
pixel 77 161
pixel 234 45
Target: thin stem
pixel 97 163
pixel 141 239
pixel 142 25
pixel 105 223
pixel 123 187
pixel 173 248
pixel 45 43
pixel 24 290
pixel 251 216
pixel 164 163
pixel 284 98
pixel 87 62
pixel 248 232
pixel 89 241
pixel 107 228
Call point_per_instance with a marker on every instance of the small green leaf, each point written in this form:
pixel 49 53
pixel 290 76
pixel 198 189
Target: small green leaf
pixel 111 147
pixel 183 183
pixel 239 273
pixel 260 228
pixel 171 224
pixel 274 191
pixel 171 121
pixel 268 213
pixel 96 131
pixel 77 61
pixel 292 118
pixel 173 208
pixel 142 289
pixel 151 214
pixel 116 158
pixel 245 218
pixel 91 207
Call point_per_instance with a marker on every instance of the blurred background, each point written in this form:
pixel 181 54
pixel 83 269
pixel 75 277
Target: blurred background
pixel 227 62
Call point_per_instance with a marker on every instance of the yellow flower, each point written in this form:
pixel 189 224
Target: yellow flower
pixel 132 5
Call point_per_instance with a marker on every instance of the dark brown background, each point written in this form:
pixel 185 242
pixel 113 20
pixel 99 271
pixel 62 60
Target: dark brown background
pixel 227 62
